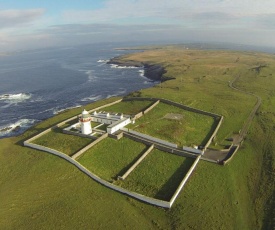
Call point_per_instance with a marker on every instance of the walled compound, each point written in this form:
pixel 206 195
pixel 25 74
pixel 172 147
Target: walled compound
pixel 115 124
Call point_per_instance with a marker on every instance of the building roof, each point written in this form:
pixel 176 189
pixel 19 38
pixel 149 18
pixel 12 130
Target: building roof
pixel 85 114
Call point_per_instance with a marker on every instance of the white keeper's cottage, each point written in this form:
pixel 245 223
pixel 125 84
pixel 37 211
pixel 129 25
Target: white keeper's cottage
pixel 115 121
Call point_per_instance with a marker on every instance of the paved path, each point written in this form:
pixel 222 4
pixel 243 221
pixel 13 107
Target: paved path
pixel 218 155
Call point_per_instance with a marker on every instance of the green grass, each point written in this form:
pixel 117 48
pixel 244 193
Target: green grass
pixel 41 191
pixel 111 158
pixel 129 107
pixel 94 124
pixel 192 129
pixel 158 175
pixel 68 144
pixel 103 127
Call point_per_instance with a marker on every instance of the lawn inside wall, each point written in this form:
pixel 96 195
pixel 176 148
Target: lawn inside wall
pixel 129 107
pixel 158 175
pixel 65 143
pixel 112 158
pixel 192 129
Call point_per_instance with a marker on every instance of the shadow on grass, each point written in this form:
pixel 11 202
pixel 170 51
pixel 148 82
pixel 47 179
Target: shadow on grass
pixel 168 189
pixel 211 131
pixel 124 170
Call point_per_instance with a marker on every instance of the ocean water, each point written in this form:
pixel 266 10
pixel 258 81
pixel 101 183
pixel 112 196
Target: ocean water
pixel 35 85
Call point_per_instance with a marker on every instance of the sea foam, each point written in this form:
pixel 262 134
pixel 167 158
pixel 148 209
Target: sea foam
pixel 123 67
pixel 92 98
pixel 17 127
pixel 15 97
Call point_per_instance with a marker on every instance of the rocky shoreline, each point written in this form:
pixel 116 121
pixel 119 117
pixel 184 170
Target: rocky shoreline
pixel 153 72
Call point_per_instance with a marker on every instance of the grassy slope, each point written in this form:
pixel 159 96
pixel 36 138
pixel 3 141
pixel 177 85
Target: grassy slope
pixel 40 191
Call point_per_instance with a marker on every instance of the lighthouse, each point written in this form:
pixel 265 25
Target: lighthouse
pixel 85 122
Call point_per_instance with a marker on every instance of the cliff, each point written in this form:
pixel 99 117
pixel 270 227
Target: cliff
pixel 152 71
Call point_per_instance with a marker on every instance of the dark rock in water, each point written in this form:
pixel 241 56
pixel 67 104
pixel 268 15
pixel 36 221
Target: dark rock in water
pixel 5 129
pixel 17 128
pixel 4 96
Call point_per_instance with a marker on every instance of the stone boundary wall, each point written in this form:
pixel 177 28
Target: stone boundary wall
pixel 215 116
pixel 154 139
pixel 138 115
pixel 151 107
pixel 136 163
pixel 117 137
pixel 69 119
pixel 157 202
pixel 192 150
pixel 78 134
pixel 81 151
pixel 209 160
pixel 160 147
pixel 174 197
pixel 39 135
pixel 174 104
pixel 214 133
pixel 92 110
pixel 232 155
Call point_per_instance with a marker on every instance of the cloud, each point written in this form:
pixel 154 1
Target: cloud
pixel 265 21
pixel 143 20
pixel 15 18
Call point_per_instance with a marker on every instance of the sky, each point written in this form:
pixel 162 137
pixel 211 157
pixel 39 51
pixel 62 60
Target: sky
pixel 31 24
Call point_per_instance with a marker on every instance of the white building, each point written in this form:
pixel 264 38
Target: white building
pixel 115 121
pixel 85 122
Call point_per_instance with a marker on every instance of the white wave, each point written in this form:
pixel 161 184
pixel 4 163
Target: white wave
pixel 91 76
pixel 92 98
pixel 15 97
pixel 103 61
pixel 118 93
pixel 18 126
pixel 123 67
pixel 141 72
pixel 57 111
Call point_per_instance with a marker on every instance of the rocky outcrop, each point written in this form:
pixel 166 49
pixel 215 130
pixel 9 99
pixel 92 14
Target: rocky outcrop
pixel 121 62
pixel 152 71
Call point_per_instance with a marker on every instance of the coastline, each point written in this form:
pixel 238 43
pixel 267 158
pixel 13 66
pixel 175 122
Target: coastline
pixel 153 72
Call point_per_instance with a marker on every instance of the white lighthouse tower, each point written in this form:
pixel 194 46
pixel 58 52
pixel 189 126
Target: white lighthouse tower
pixel 85 121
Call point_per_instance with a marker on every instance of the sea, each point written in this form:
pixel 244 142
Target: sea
pixel 37 84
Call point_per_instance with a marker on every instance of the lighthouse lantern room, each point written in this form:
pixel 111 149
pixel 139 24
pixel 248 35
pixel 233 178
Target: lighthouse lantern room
pixel 85 122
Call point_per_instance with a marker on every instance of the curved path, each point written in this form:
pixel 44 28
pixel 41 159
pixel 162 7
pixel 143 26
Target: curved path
pixel 239 138
pixel 217 156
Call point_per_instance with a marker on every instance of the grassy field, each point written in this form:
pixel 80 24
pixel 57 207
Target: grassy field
pixel 158 175
pixel 111 158
pixel 129 107
pixel 68 144
pixel 41 191
pixel 190 129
